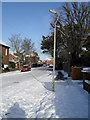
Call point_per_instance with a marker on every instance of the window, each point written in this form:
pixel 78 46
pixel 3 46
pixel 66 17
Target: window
pixel 6 51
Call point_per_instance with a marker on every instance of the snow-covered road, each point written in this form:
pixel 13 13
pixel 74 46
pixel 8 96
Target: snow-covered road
pixel 10 78
pixel 29 95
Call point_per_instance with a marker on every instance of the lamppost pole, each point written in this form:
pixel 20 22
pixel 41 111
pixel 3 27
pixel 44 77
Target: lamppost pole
pixel 53 82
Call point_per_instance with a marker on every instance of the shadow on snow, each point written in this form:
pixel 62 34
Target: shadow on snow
pixel 15 112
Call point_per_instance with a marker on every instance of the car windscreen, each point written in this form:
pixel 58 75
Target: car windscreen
pixel 25 66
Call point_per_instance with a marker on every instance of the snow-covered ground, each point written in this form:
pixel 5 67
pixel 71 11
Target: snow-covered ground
pixel 34 98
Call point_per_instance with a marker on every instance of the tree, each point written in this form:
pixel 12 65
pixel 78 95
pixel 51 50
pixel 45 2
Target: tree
pixel 27 46
pixel 21 47
pixel 76 27
pixel 72 34
pixel 15 43
pixel 47 44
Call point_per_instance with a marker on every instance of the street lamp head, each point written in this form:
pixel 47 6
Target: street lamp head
pixel 53 11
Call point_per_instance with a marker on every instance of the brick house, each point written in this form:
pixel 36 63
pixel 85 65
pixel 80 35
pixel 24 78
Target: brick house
pixel 49 62
pixel 32 59
pixel 39 63
pixel 14 59
pixel 4 54
pixel 20 59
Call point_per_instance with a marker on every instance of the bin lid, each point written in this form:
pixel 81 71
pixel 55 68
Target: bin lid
pixel 86 69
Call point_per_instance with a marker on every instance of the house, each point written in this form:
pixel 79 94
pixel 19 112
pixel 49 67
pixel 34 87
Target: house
pixel 4 54
pixel 13 59
pixel 39 63
pixel 20 58
pixel 49 62
pixel 32 59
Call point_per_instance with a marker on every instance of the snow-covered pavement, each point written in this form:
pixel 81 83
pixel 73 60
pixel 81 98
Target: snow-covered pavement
pixel 32 96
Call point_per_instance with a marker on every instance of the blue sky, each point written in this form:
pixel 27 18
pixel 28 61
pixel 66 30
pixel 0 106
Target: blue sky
pixel 30 19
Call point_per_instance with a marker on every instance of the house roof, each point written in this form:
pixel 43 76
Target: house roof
pixel 4 44
pixel 48 59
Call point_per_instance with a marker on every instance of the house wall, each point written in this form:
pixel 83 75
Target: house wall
pixel 48 62
pixel 13 58
pixel 0 49
pixel 34 59
pixel 5 55
pixel 0 58
pixel 10 57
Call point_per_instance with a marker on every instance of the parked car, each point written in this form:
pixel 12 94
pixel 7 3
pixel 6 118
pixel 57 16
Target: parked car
pixel 26 68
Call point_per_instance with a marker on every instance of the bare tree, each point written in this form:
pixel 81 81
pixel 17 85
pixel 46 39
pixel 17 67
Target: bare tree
pixel 27 46
pixel 76 27
pixel 15 43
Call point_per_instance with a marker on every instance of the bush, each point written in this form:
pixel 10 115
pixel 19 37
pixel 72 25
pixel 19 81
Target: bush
pixel 11 64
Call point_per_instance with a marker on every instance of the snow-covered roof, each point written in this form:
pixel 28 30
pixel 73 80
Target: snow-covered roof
pixel 48 59
pixel 2 43
pixel 27 55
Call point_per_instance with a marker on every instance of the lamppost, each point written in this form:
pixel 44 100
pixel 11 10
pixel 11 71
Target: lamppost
pixel 53 82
